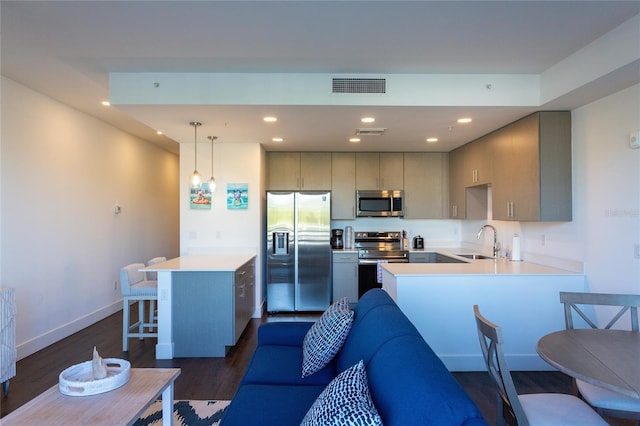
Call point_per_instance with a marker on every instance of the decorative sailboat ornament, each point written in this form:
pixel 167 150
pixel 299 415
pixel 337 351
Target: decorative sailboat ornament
pixel 98 365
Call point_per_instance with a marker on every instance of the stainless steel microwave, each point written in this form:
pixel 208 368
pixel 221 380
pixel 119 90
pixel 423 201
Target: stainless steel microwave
pixel 380 203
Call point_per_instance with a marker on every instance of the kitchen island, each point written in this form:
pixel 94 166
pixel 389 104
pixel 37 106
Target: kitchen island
pixel 204 303
pixel 521 297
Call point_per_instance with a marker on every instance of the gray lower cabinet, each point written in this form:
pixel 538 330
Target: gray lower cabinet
pixel 345 276
pixel 211 310
pixel 422 257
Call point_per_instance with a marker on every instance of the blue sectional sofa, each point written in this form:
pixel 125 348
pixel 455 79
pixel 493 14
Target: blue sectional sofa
pixel 408 383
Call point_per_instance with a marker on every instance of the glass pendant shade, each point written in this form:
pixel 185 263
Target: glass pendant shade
pixel 195 179
pixel 212 184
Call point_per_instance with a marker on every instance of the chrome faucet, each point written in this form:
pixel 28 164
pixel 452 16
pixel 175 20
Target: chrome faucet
pixel 496 245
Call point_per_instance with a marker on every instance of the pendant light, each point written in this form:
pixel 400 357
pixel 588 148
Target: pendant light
pixel 195 177
pixel 212 181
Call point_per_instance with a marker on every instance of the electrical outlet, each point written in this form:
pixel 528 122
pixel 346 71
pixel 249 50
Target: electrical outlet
pixel 543 240
pixel 636 251
pixel 115 285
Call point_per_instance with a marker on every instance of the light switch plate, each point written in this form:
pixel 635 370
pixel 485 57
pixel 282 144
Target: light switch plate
pixel 634 140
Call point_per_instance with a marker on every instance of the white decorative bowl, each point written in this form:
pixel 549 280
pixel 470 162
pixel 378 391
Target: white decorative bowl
pixel 78 380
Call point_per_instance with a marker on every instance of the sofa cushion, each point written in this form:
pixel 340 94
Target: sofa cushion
pixel 287 333
pixel 422 391
pixel 370 331
pixel 345 401
pixel 326 336
pixel 270 405
pixel 282 365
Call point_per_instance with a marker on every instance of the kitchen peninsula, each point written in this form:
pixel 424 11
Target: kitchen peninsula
pixel 522 297
pixel 204 303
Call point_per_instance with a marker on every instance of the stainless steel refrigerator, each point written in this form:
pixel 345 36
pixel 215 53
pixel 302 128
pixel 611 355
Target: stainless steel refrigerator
pixel 298 251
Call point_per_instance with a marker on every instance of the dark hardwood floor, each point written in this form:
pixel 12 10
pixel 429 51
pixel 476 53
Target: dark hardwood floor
pixel 217 378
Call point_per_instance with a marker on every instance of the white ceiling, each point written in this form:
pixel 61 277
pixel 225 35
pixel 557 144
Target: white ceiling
pixel 66 50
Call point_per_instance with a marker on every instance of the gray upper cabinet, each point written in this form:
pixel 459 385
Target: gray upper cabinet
pixel 528 165
pixel 343 185
pixel 379 170
pixel 457 205
pixel 426 185
pixel 532 179
pixel 299 171
pixel 478 162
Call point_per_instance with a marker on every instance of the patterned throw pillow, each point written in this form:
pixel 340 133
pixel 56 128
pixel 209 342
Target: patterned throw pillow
pixel 345 401
pixel 325 338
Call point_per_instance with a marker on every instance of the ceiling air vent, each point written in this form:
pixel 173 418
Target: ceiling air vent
pixel 370 131
pixel 359 85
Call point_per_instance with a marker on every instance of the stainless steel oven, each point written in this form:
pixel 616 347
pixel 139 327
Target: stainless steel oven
pixel 374 248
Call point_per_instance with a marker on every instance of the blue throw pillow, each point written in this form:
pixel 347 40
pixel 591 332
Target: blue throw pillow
pixel 345 401
pixel 326 336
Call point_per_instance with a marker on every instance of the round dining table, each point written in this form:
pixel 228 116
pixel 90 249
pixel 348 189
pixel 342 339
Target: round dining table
pixel 605 358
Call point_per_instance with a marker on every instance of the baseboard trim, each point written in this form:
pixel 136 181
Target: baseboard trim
pixel 32 346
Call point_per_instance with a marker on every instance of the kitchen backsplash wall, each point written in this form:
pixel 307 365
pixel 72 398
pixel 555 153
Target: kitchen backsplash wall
pixel 436 233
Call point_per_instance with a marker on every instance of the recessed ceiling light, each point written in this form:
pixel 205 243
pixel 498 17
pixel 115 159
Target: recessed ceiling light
pixel 158 132
pixel 270 119
pixel 106 103
pixel 432 140
pixel 354 140
pixel 277 139
pixel 367 119
pixel 464 120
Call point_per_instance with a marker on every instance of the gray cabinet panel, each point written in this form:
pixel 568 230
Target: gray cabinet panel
pixel 426 185
pixel 343 185
pixel 211 310
pixel 345 276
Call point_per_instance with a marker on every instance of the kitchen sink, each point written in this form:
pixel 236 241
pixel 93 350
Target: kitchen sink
pixel 475 256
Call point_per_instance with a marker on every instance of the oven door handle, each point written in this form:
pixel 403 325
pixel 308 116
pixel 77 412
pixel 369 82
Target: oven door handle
pixel 376 261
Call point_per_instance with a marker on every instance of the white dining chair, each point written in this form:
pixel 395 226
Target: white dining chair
pixel 605 401
pixel 154 275
pixel 135 288
pixel 540 409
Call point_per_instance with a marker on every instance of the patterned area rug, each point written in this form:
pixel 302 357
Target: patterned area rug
pixel 186 413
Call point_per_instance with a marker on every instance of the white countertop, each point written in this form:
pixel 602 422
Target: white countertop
pixel 473 267
pixel 204 262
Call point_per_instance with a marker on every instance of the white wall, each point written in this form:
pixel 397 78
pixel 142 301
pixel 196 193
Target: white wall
pixel 606 201
pixel 219 229
pixel 62 245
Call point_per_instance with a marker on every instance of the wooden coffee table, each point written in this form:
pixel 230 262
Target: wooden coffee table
pixel 122 406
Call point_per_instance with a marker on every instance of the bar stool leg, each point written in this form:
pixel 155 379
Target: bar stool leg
pixel 125 324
